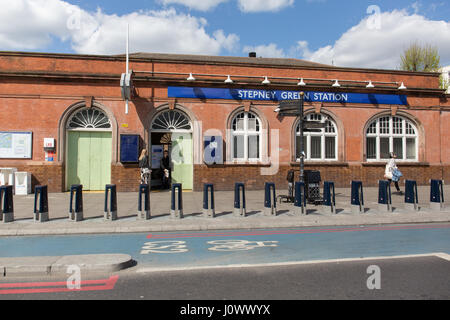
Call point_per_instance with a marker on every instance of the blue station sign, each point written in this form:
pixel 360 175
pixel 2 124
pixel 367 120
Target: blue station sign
pixel 280 95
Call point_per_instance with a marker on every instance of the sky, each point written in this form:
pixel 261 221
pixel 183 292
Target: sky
pixel 345 33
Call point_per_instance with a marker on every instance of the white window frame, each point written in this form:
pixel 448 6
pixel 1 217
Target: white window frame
pixel 246 133
pixel 78 111
pixel 391 135
pixel 322 135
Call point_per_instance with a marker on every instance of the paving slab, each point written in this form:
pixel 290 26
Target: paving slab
pixel 194 219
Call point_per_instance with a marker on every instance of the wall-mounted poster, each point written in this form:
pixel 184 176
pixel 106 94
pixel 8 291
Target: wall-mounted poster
pixel 16 145
pixel 129 148
pixel 157 155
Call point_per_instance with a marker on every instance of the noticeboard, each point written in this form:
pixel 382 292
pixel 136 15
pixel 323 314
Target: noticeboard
pixel 129 148
pixel 16 145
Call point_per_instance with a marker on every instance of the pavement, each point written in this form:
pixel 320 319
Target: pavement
pixel 193 220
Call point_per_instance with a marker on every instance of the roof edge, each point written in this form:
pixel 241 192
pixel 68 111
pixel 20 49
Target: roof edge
pixel 171 57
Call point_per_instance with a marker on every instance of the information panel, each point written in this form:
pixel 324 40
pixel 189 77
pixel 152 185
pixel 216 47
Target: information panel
pixel 129 148
pixel 16 145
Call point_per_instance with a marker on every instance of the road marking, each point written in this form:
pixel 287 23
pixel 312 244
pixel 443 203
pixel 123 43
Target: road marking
pixel 443 255
pixel 295 231
pixel 43 287
pixel 290 263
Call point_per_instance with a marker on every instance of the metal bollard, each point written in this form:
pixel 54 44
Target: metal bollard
pixel 329 198
pixel 411 197
pixel 110 212
pixel 239 206
pixel 270 199
pixel 177 206
pixel 300 198
pixel 357 197
pixel 6 204
pixel 208 202
pixel 384 196
pixel 144 210
pixel 40 204
pixel 436 195
pixel 76 213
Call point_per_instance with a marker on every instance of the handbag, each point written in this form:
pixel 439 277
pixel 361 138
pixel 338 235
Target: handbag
pixel 396 174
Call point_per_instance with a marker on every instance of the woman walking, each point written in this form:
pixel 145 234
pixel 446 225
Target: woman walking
pixel 144 166
pixel 391 172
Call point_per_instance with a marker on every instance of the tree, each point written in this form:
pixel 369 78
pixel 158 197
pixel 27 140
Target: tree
pixel 420 58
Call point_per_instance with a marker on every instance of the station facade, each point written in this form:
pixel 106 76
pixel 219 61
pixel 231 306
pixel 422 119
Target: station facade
pixel 63 118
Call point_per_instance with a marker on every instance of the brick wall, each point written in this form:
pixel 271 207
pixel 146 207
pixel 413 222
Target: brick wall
pixel 342 174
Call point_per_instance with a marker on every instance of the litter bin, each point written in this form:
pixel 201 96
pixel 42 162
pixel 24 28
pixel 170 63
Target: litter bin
pixel 22 183
pixel 7 176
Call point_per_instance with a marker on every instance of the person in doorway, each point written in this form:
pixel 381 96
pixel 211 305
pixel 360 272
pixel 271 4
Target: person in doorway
pixel 165 167
pixel 391 172
pixel 144 167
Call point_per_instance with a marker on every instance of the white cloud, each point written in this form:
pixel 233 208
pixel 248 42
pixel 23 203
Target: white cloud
pixel 202 5
pixel 369 47
pixel 263 5
pixel 26 24
pixel 165 31
pixel 266 51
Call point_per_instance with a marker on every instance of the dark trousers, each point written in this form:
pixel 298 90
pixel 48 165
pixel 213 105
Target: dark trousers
pixel 395 183
pixel 166 181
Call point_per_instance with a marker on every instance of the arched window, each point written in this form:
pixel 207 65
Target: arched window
pixel 246 137
pixel 171 120
pixel 391 134
pixel 319 144
pixel 89 118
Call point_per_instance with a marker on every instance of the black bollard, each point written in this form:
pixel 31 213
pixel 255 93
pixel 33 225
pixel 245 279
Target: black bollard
pixel 411 196
pixel 329 198
pixel 357 197
pixel 300 198
pixel 177 204
pixel 6 204
pixel 270 202
pixel 436 195
pixel 144 210
pixel 384 196
pixel 208 202
pixel 239 202
pixel 76 212
pixel 40 204
pixel 110 212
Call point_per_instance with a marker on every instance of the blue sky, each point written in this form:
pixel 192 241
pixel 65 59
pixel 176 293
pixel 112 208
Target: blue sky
pixel 346 33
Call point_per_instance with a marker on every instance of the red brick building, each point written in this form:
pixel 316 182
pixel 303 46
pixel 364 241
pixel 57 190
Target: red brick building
pixel 179 100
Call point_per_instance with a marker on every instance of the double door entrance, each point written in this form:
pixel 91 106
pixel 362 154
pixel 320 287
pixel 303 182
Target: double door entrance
pixel 171 130
pixel 89 159
pixel 179 147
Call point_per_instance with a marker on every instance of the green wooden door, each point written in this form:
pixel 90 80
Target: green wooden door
pixel 182 160
pixel 89 159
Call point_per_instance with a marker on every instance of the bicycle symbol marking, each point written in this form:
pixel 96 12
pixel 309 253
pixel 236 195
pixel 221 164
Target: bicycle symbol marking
pixel 173 246
pixel 164 247
pixel 240 245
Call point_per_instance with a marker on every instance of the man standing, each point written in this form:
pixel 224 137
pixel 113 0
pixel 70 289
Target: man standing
pixel 165 167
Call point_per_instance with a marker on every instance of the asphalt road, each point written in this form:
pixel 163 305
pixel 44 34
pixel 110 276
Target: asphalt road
pixel 426 277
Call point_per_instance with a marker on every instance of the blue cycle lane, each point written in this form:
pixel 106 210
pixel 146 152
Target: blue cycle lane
pixel 242 247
